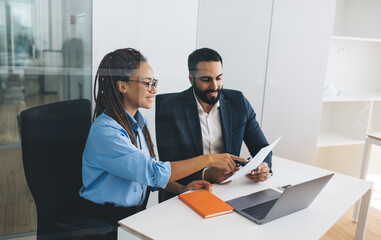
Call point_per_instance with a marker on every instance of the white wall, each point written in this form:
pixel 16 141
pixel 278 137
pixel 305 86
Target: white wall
pixel 241 36
pixel 164 31
pixel 115 27
pixel 358 18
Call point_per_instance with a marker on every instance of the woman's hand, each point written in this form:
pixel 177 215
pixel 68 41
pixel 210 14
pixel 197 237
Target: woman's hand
pixel 197 184
pixel 224 161
pixel 215 175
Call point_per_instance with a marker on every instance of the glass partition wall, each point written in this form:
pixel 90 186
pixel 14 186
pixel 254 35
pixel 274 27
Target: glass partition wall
pixel 45 56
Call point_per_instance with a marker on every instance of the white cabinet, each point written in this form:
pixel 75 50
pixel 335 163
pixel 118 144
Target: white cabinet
pixel 296 69
pixel 276 53
pixel 352 101
pixel 240 31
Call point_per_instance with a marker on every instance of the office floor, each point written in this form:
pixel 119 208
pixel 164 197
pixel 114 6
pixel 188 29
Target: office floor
pixel 17 209
pixel 345 228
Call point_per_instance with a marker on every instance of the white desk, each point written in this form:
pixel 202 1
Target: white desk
pixel 173 219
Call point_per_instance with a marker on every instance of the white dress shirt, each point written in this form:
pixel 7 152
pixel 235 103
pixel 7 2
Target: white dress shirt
pixel 211 129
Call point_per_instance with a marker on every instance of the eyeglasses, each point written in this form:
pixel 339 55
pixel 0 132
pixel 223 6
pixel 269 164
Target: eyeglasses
pixel 149 84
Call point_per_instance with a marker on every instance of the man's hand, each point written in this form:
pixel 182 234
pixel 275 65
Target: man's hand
pixel 260 174
pixel 216 175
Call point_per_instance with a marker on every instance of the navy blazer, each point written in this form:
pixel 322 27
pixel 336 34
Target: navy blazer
pixel 178 130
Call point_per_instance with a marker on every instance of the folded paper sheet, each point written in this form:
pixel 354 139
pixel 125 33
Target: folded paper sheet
pixel 254 162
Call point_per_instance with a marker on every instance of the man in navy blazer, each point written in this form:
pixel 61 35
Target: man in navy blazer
pixel 207 119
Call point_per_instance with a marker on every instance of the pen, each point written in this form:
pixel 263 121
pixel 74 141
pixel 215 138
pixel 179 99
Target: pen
pixel 238 163
pixel 201 186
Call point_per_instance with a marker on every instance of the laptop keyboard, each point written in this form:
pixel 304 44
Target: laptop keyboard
pixel 260 211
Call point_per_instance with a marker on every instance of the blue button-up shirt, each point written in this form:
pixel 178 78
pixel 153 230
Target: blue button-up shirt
pixel 114 170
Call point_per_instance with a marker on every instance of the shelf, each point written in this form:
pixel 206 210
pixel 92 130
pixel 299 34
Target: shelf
pixel 346 98
pixel 356 39
pixel 330 139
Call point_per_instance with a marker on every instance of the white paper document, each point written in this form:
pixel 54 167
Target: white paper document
pixel 254 162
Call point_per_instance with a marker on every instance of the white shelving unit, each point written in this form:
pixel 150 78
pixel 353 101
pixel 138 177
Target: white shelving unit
pixel 356 39
pixel 330 139
pixel 353 107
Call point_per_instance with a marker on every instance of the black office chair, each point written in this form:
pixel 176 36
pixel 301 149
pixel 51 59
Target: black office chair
pixel 53 137
pixel 163 195
pixel 160 98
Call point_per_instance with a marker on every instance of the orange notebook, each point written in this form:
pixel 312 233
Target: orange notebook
pixel 205 203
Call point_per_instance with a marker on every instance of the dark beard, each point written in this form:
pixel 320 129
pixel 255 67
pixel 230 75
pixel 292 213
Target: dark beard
pixel 202 95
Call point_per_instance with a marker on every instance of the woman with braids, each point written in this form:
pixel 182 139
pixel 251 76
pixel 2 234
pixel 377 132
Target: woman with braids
pixel 119 162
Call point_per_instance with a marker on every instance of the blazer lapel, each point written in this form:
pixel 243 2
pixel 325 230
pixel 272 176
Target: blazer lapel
pixel 193 120
pixel 226 122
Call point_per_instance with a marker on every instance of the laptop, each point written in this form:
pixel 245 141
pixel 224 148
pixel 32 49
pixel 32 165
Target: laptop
pixel 267 205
